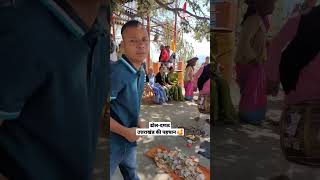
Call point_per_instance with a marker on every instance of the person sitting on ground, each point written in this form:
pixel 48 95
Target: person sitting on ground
pixel 162 79
pixel 160 94
pixel 175 90
pixel 222 108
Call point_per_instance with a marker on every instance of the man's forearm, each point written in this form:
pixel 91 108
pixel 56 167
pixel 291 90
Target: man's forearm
pixel 117 128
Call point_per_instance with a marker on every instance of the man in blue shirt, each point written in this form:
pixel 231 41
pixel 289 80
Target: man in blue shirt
pixel 53 74
pixel 127 84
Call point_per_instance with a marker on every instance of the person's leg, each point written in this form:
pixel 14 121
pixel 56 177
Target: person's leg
pixel 128 166
pixel 162 92
pixel 165 94
pixel 175 93
pixel 180 93
pixel 116 156
pixel 161 96
pixel 252 107
pixel 168 93
pixel 157 98
pixel 189 91
pixel 171 93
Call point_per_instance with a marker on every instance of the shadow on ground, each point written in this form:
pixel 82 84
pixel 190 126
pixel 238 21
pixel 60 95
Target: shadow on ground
pixel 178 113
pixel 246 152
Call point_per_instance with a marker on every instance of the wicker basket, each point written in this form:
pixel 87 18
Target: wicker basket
pixel 300 133
pixel 148 96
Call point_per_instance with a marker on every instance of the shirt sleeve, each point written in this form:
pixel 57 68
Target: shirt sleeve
pixel 117 84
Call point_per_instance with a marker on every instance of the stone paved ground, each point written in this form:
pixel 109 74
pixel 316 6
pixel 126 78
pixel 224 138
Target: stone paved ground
pixel 246 152
pixel 178 113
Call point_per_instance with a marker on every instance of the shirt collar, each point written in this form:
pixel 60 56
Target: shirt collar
pixel 132 68
pixel 66 15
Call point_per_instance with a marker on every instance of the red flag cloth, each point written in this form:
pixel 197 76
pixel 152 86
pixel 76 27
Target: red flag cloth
pixel 184 7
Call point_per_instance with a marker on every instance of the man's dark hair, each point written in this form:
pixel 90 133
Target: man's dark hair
pixel 131 23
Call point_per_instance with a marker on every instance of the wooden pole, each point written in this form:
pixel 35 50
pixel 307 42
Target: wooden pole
pixel 175 34
pixel 113 28
pixel 148 58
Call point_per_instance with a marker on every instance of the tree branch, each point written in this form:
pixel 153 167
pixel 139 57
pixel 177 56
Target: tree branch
pixel 195 6
pixel 169 3
pixel 180 10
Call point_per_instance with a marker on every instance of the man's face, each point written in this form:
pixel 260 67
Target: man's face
pixel 207 60
pixel 136 43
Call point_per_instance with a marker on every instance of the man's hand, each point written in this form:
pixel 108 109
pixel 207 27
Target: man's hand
pixel 130 135
pixel 141 124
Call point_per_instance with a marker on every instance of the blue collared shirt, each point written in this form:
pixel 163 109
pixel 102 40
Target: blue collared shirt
pixel 127 85
pixel 53 74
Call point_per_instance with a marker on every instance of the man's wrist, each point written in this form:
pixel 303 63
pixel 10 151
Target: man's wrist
pixel 124 132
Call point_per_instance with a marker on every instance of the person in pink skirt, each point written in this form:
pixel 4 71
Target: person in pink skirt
pixel 250 58
pixel 306 85
pixel 189 77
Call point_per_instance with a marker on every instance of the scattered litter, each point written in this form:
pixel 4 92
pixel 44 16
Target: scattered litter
pixel 205 149
pixel 193 134
pixel 182 165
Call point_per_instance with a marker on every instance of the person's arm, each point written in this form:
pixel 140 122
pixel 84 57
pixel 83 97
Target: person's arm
pixel 278 43
pixel 169 80
pixel 115 89
pixel 128 133
pixel 190 74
